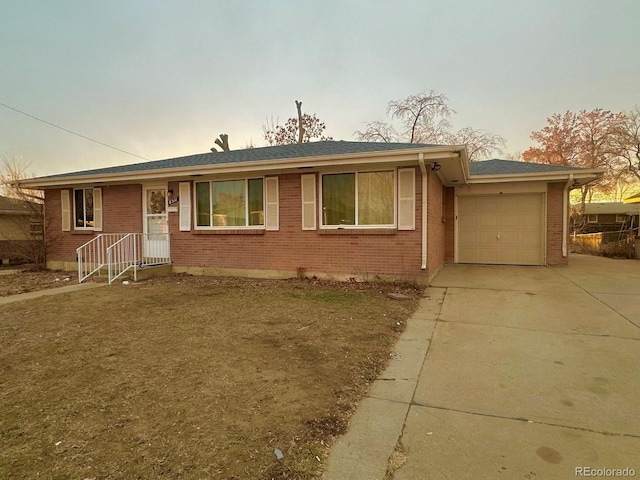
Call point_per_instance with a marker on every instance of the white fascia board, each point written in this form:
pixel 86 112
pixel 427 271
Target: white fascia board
pixel 586 174
pixel 399 156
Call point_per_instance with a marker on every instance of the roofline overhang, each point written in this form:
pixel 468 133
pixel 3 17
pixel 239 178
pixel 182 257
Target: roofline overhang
pixel 408 155
pixel 582 176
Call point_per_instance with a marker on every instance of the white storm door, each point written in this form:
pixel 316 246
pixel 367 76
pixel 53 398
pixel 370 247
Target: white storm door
pixel 156 226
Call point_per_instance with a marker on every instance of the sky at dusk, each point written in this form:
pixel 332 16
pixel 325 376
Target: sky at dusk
pixel 162 79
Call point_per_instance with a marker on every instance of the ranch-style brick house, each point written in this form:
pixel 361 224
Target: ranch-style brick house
pixel 334 208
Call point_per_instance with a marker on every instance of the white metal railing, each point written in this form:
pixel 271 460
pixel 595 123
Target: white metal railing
pixel 136 250
pixel 121 252
pixel 92 255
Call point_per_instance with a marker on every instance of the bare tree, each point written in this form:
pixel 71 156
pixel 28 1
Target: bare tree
pixel 303 129
pixel 425 118
pixel 28 242
pixel 480 144
pixel 222 142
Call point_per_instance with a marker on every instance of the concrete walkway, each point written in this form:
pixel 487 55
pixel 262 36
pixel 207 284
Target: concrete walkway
pixel 507 372
pixel 51 291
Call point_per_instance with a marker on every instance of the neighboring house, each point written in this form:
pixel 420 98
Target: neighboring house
pixel 20 225
pixel 633 198
pixel 607 217
pixel 343 209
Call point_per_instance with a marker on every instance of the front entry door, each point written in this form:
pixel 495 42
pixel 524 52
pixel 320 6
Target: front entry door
pixel 156 226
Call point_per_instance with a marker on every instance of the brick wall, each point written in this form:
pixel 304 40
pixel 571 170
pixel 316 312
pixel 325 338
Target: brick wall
pixel 362 253
pixel 555 192
pixel 122 213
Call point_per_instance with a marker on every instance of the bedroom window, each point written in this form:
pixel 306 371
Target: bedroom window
pixel 230 203
pixel 358 199
pixel 83 208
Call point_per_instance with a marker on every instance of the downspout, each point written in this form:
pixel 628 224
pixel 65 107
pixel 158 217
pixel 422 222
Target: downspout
pixel 565 215
pixel 423 169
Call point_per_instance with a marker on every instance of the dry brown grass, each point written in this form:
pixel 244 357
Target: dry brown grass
pixel 29 281
pixel 188 377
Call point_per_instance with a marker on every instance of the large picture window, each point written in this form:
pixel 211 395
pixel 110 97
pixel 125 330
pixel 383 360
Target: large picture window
pixel 358 199
pixel 230 203
pixel 83 208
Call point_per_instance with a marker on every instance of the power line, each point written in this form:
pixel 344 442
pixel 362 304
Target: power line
pixel 71 132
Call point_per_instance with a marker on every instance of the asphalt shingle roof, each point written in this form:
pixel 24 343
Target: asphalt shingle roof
pixel 281 152
pixel 505 167
pixel 305 150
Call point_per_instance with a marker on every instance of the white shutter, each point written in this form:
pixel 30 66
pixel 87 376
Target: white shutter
pixel 185 206
pixel 97 209
pixel 271 220
pixel 66 207
pixel 407 199
pixel 308 201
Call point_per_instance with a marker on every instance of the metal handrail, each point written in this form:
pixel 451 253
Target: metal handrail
pixel 122 252
pixel 92 254
pixel 135 250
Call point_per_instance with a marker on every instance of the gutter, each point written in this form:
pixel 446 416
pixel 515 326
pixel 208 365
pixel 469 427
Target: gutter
pixel 423 169
pixel 565 215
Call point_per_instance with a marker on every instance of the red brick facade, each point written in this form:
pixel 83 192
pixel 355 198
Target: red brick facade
pixel 555 194
pixel 359 253
pixel 362 253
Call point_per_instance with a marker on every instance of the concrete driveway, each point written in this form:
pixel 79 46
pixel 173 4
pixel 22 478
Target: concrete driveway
pixel 508 372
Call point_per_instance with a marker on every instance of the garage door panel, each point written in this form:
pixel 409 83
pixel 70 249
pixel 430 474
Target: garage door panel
pixel 485 204
pixel 487 220
pixel 501 229
pixel 509 239
pixel 486 239
pixel 487 255
pixel 509 221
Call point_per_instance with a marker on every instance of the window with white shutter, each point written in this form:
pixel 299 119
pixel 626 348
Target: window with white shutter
pixel 65 201
pixel 97 209
pixel 406 199
pixel 272 221
pixel 185 206
pixel 308 184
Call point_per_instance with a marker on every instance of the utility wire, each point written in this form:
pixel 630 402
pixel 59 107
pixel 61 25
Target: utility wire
pixel 71 132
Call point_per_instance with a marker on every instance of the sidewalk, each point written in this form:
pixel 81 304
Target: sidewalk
pixel 51 291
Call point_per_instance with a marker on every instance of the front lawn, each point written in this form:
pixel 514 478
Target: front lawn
pixel 188 377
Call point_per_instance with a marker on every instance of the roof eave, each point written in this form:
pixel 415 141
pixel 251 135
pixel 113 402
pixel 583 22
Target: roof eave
pixel 391 156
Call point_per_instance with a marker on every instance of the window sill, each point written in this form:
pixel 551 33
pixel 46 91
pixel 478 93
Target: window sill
pixel 358 231
pixel 231 231
pixel 82 232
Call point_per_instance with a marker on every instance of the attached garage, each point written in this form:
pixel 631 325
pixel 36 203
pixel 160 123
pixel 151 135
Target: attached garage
pixel 505 229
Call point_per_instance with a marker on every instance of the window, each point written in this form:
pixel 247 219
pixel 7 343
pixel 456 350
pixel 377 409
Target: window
pixel 83 208
pixel 358 199
pixel 621 217
pixel 230 203
pixel 592 218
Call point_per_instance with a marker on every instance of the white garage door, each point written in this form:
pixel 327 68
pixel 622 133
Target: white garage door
pixel 501 229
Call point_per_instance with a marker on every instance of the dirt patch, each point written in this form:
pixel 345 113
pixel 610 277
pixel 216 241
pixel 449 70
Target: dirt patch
pixel 189 377
pixel 25 281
